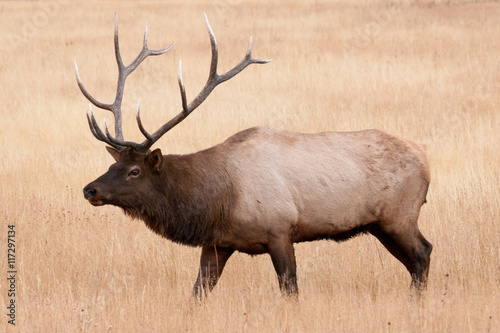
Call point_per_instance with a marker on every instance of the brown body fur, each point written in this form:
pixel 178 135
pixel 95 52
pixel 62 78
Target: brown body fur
pixel 262 190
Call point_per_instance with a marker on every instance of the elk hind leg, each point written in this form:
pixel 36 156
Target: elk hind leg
pixel 283 258
pixel 410 248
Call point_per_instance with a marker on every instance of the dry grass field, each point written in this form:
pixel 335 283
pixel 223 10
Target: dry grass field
pixel 426 70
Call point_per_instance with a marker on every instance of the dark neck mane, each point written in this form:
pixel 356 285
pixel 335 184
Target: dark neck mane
pixel 191 200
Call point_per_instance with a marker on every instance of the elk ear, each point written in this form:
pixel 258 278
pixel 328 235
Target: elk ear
pixel 155 159
pixel 114 152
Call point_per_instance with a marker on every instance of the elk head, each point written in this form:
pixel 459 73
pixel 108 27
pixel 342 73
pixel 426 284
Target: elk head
pixel 133 175
pixel 134 160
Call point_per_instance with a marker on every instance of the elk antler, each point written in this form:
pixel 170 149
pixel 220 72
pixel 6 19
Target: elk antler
pixel 214 79
pixel 115 107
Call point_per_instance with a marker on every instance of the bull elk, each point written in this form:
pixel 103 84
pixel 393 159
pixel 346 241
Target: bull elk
pixel 262 190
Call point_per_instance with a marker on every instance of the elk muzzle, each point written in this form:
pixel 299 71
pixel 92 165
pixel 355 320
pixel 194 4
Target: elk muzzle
pixel 91 193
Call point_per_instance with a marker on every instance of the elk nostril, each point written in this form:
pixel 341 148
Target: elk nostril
pixel 89 192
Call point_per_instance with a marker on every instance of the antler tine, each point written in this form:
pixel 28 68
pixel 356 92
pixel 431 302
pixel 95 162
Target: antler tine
pixel 247 60
pixel 118 56
pixel 90 117
pixel 153 52
pixel 145 43
pixel 215 50
pixel 96 131
pixel 145 52
pixel 87 95
pixel 120 144
pixel 214 79
pixel 139 122
pixel 183 89
pixel 94 128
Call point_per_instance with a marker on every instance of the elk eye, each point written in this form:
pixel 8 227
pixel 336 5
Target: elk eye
pixel 135 172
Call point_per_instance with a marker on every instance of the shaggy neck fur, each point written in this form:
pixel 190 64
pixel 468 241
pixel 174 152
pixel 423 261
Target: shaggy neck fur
pixel 190 201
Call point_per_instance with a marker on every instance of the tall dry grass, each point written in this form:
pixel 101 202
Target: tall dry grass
pixel 425 70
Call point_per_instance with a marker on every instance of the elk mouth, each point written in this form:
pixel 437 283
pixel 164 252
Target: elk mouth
pixel 95 202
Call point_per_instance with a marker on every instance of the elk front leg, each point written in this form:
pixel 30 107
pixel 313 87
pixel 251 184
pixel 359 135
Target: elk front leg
pixel 212 262
pixel 283 257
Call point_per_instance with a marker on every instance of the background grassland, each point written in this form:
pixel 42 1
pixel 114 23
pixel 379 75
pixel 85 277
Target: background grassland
pixel 425 70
